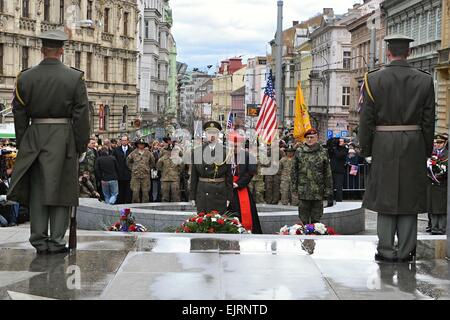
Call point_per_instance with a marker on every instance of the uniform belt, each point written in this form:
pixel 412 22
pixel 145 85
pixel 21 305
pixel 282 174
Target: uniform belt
pixel 212 180
pixel 398 128
pixel 51 120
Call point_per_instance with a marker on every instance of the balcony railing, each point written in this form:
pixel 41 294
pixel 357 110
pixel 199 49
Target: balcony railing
pixel 444 55
pixel 27 24
pixel 107 36
pixel 47 26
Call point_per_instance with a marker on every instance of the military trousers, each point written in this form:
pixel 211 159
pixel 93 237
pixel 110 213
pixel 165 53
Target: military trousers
pixel 41 215
pixel 140 185
pixel 310 211
pixel 170 191
pixel 438 223
pixel 288 194
pixel 405 227
pixel 257 189
pixel 272 184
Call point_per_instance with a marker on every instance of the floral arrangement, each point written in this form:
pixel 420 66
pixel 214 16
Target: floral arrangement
pixel 212 222
pixel 307 229
pixel 437 169
pixel 127 223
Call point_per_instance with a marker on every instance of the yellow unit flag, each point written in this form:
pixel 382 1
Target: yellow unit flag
pixel 302 122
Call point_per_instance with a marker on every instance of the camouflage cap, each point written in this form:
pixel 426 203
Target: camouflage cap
pixel 53 38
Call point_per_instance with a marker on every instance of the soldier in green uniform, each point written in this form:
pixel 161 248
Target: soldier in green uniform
pixel 256 185
pixel 88 162
pixel 170 165
pixel 311 177
pixel 53 96
pixel 140 162
pixel 211 177
pixel 272 182
pixel 396 129
pixel 288 194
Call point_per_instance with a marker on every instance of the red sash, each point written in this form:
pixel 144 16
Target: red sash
pixel 244 203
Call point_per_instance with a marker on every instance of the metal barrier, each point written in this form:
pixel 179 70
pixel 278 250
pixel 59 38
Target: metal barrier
pixel 356 182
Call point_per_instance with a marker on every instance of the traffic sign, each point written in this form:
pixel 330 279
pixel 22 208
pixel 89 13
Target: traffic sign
pixel 329 134
pixel 344 134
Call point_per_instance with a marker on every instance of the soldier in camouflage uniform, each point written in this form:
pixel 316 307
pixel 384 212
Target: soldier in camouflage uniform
pixel 140 162
pixel 272 183
pixel 170 165
pixel 288 195
pixel 88 163
pixel 311 176
pixel 256 185
pixel 87 189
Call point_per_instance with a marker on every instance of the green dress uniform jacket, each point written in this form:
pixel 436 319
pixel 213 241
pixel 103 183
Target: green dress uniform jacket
pixel 397 95
pixel 50 90
pixel 211 196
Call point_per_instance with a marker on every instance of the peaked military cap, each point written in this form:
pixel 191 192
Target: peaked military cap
pixel 53 38
pixel 441 136
pixel 212 125
pixel 398 38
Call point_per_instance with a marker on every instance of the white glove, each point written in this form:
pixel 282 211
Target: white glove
pixel 3 198
pixel 193 203
pixel 81 159
pixel 228 203
pixel 369 160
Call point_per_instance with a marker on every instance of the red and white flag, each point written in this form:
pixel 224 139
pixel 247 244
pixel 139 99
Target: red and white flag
pixel 266 127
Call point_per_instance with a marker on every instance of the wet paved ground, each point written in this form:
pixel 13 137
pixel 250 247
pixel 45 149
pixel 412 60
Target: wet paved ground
pixel 235 267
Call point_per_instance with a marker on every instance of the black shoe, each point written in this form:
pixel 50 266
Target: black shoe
pixel 436 233
pixel 380 258
pixel 428 229
pixel 62 250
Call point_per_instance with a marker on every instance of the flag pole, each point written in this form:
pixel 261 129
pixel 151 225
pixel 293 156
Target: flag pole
pixel 278 63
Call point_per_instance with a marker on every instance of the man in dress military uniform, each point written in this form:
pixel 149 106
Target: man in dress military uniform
pixel 211 177
pixel 396 129
pixel 53 96
pixel 140 162
pixel 437 188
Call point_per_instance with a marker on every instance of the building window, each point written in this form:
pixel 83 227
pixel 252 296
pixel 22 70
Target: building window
pixel 47 10
pixel 77 59
pixel 26 8
pixel 89 66
pixel 106 17
pixel 2 5
pixel 291 108
pixel 89 10
pixel 345 96
pixel 147 26
pixel 125 24
pixel 438 23
pixel 25 57
pixel 1 58
pixel 347 60
pixel 61 11
pixel 106 68
pixel 125 71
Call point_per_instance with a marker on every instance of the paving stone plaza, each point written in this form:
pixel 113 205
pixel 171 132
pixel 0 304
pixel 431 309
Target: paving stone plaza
pixel 172 266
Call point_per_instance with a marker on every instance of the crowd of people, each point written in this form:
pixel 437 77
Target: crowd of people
pixel 119 172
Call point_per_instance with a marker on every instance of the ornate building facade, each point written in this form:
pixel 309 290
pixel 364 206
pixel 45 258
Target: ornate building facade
pixel 101 42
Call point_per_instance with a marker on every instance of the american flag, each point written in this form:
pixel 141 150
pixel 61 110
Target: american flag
pixel 230 121
pixel 266 127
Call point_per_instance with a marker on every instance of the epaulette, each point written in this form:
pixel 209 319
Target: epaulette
pixel 22 71
pixel 428 73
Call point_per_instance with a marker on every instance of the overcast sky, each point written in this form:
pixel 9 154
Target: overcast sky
pixel 208 31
